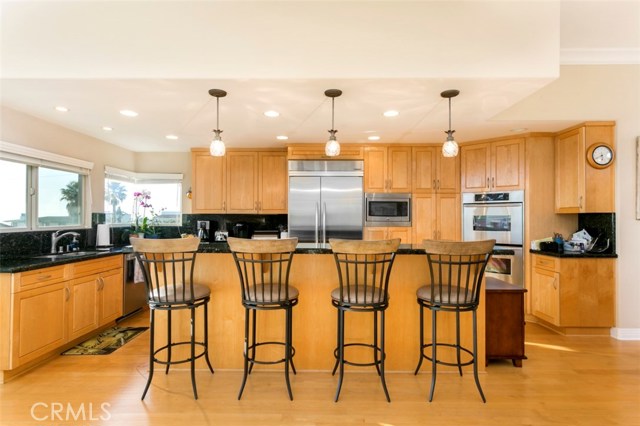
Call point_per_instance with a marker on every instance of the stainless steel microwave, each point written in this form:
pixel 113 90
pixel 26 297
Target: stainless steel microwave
pixel 387 209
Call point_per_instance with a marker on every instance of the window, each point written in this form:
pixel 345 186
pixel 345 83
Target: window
pixel 164 191
pixel 44 190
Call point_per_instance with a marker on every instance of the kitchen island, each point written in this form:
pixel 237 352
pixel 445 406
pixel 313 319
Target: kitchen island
pixel 313 272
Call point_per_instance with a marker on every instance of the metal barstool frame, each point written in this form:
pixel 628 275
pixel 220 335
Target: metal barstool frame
pixel 472 256
pixel 376 257
pixel 248 256
pixel 158 301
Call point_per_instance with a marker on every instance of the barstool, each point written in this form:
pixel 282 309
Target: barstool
pixel 167 266
pixel 364 268
pixel 456 270
pixel 263 268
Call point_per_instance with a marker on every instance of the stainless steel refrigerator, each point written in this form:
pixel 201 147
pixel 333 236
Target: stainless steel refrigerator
pixel 325 200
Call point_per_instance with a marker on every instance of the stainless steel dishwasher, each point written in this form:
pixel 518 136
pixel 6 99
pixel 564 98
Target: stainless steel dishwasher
pixel 134 289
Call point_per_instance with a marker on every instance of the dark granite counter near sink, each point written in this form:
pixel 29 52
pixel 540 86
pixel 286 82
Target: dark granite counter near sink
pixel 574 255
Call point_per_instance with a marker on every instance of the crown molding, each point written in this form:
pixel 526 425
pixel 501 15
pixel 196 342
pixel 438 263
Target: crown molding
pixel 617 56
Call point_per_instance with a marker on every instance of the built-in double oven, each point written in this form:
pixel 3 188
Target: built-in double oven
pixel 499 216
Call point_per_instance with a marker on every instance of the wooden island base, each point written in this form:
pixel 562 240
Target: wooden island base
pixel 314 318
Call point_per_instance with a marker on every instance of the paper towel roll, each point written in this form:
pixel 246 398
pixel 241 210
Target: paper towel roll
pixel 102 235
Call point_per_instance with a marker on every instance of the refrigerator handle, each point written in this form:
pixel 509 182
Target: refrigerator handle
pixel 316 228
pixel 324 223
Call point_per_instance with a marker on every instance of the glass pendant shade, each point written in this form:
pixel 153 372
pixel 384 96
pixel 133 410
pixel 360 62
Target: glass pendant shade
pixel 450 147
pixel 217 148
pixel 332 148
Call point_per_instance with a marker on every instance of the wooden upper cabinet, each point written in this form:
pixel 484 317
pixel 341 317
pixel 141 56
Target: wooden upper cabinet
pixel 273 182
pixel 493 166
pixel 570 166
pixel 208 183
pixel 436 217
pixel 387 169
pixel 242 182
pixel 581 188
pixel 434 173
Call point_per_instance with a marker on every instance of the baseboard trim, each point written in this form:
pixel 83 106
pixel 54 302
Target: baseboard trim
pixel 625 333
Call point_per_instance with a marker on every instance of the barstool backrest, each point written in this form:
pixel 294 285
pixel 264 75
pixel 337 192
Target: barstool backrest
pixel 364 268
pixel 263 268
pixel 167 266
pixel 456 270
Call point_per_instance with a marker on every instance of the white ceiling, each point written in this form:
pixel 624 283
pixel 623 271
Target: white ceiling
pixel 160 59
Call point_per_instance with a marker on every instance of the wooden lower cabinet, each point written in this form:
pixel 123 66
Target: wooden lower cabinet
pixel 504 321
pixel 40 319
pixel 575 294
pixel 45 309
pixel 387 233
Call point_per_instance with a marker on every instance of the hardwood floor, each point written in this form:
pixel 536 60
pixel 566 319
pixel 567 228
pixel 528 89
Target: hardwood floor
pixel 566 381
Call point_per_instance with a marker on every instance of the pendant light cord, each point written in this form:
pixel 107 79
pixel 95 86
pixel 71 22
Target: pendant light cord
pixel 332 111
pixel 449 114
pixel 218 113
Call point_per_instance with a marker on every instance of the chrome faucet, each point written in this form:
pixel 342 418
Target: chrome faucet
pixel 56 236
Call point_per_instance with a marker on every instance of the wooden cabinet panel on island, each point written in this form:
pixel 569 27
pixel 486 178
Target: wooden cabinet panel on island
pixel 493 166
pixel 574 294
pixel 387 169
pixel 432 172
pixel 387 233
pixel 580 187
pixel 436 217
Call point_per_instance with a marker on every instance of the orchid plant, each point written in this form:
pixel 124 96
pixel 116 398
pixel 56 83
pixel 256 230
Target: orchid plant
pixel 146 218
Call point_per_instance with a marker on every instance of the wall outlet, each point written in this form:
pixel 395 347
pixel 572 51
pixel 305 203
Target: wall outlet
pixel 205 222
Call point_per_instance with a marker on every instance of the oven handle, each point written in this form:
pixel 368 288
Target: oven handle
pixel 492 205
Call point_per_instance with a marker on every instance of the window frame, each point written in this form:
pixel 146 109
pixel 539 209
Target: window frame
pixel 136 178
pixel 33 159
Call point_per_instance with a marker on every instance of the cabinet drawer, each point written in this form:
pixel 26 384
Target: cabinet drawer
pixel 546 262
pixel 88 267
pixel 38 277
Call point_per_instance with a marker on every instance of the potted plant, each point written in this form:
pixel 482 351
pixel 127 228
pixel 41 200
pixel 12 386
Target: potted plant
pixel 145 222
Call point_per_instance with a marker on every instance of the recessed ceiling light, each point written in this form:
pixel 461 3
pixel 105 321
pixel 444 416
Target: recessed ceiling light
pixel 374 138
pixel 391 113
pixel 62 108
pixel 519 129
pixel 172 137
pixel 282 137
pixel 272 114
pixel 128 113
pixel 107 128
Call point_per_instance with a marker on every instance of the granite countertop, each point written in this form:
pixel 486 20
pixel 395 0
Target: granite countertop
pixel 575 255
pixel 28 263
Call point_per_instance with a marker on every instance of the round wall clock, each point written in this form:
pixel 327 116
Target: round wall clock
pixel 600 155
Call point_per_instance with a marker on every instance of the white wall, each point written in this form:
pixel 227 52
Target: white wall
pixel 22 129
pixel 603 92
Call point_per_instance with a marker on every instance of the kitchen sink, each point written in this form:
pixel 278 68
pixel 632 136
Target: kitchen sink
pixel 70 254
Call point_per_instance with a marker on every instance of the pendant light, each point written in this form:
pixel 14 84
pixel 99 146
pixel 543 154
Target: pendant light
pixel 217 148
pixel 332 148
pixel 450 146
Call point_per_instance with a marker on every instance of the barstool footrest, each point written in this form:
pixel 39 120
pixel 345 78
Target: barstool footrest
pixel 180 361
pixel 255 345
pixel 450 345
pixel 362 364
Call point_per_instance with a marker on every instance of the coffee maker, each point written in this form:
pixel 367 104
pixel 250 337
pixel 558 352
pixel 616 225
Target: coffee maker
pixel 203 230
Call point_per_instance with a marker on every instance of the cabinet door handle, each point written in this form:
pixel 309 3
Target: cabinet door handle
pixel 493 182
pixel 580 202
pixel 44 277
pixel 555 283
pixel 67 294
pixel 224 206
pixel 435 186
pixel 438 184
pixel 488 183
